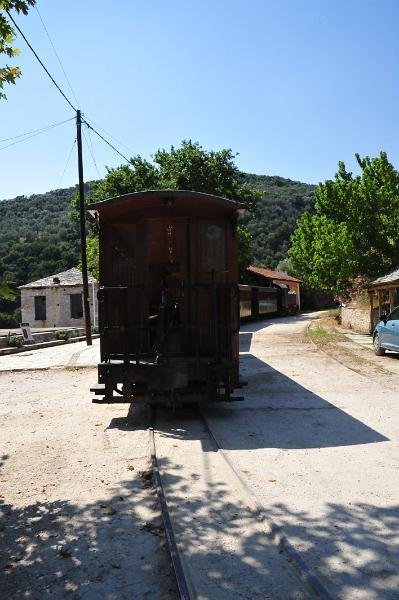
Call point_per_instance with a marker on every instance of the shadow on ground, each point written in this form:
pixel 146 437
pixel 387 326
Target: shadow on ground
pixel 64 549
pixel 351 549
pixel 287 415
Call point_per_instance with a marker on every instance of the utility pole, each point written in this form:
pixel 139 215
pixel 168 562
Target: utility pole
pixel 86 306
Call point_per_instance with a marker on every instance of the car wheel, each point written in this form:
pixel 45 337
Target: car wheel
pixel 378 350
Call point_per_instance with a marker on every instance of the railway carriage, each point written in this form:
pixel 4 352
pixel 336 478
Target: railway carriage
pixel 168 297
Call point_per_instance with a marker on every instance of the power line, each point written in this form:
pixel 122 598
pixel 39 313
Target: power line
pixel 107 142
pixel 90 147
pixel 56 54
pixel 38 132
pixel 61 92
pixel 34 131
pixel 41 63
pixel 109 134
pixel 67 163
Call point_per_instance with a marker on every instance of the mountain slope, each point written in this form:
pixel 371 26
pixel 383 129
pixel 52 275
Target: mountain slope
pixel 283 203
pixel 38 236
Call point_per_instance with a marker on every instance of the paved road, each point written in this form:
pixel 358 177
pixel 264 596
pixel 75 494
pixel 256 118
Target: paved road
pixel 77 354
pixel 319 444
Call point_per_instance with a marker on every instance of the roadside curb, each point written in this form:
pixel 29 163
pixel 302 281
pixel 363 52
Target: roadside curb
pixel 41 345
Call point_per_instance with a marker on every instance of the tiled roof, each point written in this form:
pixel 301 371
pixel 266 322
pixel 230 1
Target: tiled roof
pixel 71 277
pixel 275 275
pixel 391 277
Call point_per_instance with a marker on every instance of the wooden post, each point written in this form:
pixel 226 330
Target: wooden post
pixel 371 296
pixel 86 305
pixel 391 300
pixel 379 303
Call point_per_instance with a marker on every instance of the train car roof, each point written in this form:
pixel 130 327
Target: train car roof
pixel 153 198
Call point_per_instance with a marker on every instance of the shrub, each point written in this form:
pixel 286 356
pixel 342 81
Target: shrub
pixel 62 334
pixel 7 320
pixel 14 341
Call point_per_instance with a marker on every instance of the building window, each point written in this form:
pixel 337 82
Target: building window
pixel 76 306
pixel 40 308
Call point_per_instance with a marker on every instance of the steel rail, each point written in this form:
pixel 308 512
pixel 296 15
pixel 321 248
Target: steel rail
pixel 306 574
pixel 181 580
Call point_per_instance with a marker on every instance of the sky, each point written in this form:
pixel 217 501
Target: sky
pixel 291 86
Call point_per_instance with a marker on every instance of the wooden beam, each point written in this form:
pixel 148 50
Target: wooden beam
pixel 371 295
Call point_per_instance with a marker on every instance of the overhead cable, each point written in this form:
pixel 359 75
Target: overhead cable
pixel 40 61
pixel 61 92
pixel 38 132
pixel 57 56
pixel 108 134
pixel 90 147
pixel 67 163
pixel 34 131
pixel 106 141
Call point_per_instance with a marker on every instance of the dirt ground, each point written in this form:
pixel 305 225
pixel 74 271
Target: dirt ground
pixel 318 443
pixel 326 333
pixel 77 519
pixel 316 440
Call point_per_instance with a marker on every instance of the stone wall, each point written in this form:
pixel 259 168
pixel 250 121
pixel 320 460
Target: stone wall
pixel 356 318
pixel 58 306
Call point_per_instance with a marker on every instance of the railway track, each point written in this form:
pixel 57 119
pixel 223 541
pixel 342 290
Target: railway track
pixel 181 581
pixel 311 586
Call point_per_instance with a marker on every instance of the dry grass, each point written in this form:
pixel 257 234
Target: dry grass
pixel 324 334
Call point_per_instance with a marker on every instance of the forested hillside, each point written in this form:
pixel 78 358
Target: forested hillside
pixel 39 238
pixel 283 202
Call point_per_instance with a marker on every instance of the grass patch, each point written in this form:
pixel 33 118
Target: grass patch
pixel 319 332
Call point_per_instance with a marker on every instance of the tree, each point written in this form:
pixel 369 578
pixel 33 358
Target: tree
pixel 7 36
pixel 188 167
pixel 354 230
pixel 6 292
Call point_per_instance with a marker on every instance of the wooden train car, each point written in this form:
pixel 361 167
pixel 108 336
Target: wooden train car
pixel 168 297
pixel 258 302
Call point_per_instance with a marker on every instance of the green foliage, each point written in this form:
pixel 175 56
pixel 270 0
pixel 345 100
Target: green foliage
pixel 138 175
pixel 283 201
pixel 318 332
pixel 92 256
pixel 6 292
pixel 14 341
pixel 7 321
pixel 354 230
pixel 37 238
pixel 188 167
pixel 62 334
pixel 244 240
pixel 7 35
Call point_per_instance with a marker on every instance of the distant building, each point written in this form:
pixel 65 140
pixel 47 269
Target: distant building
pixel 57 301
pixel 263 276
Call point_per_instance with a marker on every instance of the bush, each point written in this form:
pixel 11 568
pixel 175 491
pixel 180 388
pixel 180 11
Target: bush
pixel 7 321
pixel 14 341
pixel 63 334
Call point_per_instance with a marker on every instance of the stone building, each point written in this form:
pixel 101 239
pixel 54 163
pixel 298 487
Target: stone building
pixel 57 301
